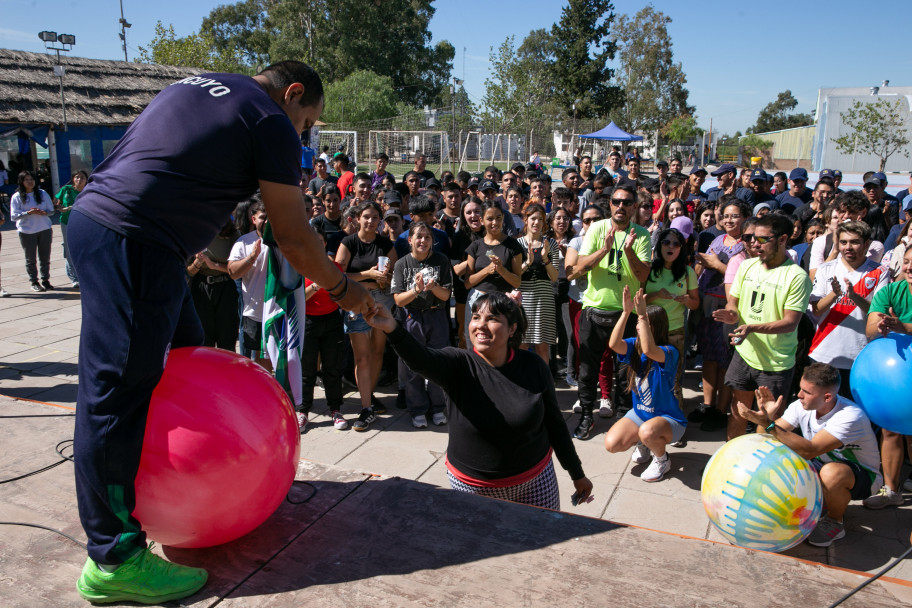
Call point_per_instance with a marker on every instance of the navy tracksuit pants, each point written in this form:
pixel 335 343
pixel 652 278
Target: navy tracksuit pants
pixel 135 307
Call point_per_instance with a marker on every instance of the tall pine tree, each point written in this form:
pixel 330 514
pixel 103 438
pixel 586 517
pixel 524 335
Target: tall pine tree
pixel 582 50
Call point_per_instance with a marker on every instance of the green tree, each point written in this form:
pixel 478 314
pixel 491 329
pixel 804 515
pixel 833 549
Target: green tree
pixel 361 97
pixel 582 50
pixel 519 94
pixel 195 51
pixel 682 128
pixel 389 38
pixel 459 103
pixel 653 84
pixel 879 128
pixel 778 115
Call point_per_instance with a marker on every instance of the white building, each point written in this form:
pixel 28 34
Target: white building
pixel 833 101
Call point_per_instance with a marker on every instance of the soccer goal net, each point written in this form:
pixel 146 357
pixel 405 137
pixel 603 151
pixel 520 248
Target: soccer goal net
pixel 347 140
pixel 403 146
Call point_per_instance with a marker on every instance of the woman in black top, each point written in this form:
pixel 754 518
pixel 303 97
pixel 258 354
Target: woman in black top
pixel 359 255
pixel 468 230
pixel 494 261
pixel 502 407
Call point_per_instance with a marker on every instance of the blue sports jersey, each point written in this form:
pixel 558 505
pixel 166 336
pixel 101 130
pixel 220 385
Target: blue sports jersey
pixel 654 395
pixel 196 151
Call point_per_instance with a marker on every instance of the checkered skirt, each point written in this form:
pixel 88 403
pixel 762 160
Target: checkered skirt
pixel 540 491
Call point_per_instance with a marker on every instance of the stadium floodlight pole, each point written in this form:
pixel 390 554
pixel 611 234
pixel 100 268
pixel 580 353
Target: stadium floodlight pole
pixel 456 83
pixel 65 40
pixel 123 30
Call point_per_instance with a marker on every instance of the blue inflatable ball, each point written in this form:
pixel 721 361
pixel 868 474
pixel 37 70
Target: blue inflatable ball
pixel 881 380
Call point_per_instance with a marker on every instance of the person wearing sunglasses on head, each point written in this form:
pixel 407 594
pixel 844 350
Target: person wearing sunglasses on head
pixel 767 299
pixel 615 253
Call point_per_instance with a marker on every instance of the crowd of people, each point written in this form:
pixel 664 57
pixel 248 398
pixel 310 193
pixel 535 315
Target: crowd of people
pixel 768 287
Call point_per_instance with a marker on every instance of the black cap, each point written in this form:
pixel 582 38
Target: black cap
pixel 392 197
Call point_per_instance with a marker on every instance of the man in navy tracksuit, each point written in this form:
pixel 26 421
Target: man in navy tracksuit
pixel 203 144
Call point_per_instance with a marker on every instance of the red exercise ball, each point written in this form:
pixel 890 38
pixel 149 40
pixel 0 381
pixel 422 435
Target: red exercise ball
pixel 220 450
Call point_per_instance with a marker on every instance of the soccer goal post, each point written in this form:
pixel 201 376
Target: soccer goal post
pixel 403 146
pixel 348 140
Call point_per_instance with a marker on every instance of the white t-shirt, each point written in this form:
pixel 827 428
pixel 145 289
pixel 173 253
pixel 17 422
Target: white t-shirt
pixel 850 425
pixel 840 334
pixel 818 250
pixel 253 284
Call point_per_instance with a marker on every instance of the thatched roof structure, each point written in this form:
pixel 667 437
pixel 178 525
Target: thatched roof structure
pixel 98 92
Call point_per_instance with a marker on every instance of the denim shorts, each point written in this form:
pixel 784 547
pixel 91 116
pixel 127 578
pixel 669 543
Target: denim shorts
pixel 677 429
pixel 356 325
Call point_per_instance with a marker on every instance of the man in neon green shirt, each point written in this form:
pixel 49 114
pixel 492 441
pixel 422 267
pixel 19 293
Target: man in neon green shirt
pixel 615 253
pixel 769 295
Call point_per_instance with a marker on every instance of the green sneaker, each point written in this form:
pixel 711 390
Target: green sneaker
pixel 145 578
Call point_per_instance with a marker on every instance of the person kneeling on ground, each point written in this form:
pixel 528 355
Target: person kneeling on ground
pixel 656 418
pixel 837 439
pixel 504 421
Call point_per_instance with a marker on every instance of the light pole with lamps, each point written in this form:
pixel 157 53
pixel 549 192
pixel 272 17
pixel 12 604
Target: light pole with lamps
pixel 65 40
pixel 456 83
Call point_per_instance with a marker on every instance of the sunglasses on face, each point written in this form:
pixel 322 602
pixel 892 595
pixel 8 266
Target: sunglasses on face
pixel 589 220
pixel 617 202
pixel 671 243
pixel 761 240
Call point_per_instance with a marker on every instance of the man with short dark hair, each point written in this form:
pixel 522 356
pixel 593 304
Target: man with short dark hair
pixel 155 201
pixel 824 193
pixel 842 293
pixel 321 178
pixel 380 163
pixel 421 209
pixel 675 166
pixel 836 438
pixel 662 170
pixel 614 166
pixel 768 297
pixel 421 167
pixel 346 176
pixel 849 205
pixel 449 215
pixel 412 180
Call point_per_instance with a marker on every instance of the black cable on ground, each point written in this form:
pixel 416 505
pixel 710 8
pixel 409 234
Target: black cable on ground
pixel 59 448
pixel 63 534
pixel 872 579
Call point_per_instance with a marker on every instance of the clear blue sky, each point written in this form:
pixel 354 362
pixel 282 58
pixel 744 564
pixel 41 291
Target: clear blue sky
pixel 737 59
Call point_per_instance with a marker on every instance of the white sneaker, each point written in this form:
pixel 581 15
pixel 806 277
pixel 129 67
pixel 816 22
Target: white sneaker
pixel 419 422
pixel 577 408
pixel 302 421
pixel 339 422
pixel 656 470
pixel 75 285
pixel 605 409
pixel 439 419
pixel 885 498
pixel 4 293
pixel 641 454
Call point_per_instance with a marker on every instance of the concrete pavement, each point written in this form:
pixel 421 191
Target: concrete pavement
pixel 39 336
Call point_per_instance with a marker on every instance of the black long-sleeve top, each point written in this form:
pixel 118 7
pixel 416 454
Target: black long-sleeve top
pixel 502 420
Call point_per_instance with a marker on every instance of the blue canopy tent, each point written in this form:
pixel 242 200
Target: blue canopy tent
pixel 612 133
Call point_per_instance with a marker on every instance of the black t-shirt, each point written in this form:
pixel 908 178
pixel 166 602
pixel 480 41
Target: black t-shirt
pixel 425 175
pixel 436 265
pixel 364 255
pixel 461 242
pixel 328 226
pixel 198 149
pixel 506 250
pixel 504 420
